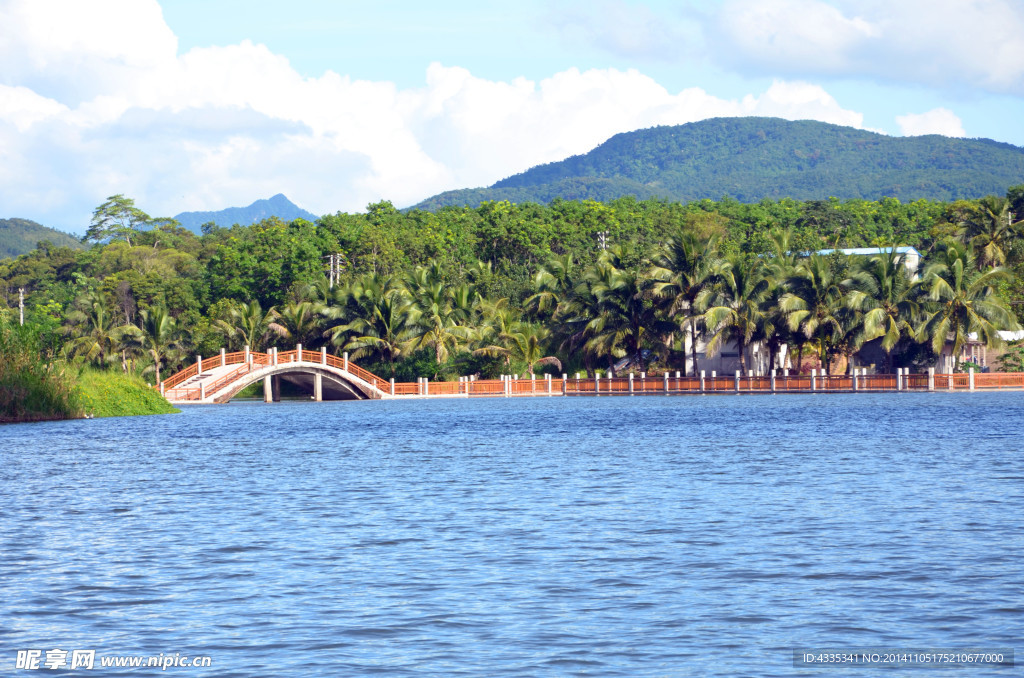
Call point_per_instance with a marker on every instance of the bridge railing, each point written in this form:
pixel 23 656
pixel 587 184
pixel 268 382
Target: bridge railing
pixel 999 380
pixel 583 386
pixel 185 374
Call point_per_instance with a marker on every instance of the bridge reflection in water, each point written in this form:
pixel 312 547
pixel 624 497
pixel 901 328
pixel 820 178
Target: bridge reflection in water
pixel 328 377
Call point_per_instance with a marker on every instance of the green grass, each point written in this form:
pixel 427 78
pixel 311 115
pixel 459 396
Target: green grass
pixel 114 394
pixel 31 388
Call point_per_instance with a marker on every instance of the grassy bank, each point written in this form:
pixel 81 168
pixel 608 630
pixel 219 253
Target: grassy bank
pixel 32 389
pixel 114 394
pixel 37 387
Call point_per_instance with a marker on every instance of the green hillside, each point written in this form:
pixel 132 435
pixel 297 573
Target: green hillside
pixel 19 236
pixel 754 158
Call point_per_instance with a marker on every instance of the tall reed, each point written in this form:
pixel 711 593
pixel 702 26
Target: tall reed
pixel 33 388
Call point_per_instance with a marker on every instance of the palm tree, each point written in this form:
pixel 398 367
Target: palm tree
pixel 436 313
pixel 885 291
pixel 779 267
pixel 299 321
pixel 159 337
pixel 991 231
pixel 385 332
pixel 815 306
pixel 98 338
pixel 523 342
pixel 552 286
pixel 683 268
pixel 248 325
pixel 624 319
pixel 963 301
pixel 735 305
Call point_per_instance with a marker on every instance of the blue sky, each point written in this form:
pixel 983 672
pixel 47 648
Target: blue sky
pixel 189 105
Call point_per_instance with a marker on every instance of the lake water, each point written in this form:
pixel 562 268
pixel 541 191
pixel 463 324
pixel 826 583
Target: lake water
pixel 646 536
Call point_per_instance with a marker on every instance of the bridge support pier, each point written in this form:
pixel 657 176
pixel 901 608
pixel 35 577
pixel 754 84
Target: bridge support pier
pixel 318 387
pixel 268 392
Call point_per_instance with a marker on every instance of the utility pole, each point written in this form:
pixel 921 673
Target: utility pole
pixel 602 240
pixel 336 263
pixel 21 305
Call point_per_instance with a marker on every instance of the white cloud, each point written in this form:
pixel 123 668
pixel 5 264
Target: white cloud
pixel 624 29
pixel 66 49
pixel 947 43
pixel 227 125
pixel 794 31
pixel 936 121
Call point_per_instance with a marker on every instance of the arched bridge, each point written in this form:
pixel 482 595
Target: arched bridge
pixel 326 377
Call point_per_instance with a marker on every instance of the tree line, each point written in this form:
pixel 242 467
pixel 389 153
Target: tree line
pixel 504 288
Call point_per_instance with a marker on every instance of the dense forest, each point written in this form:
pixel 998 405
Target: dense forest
pixel 753 158
pixel 501 288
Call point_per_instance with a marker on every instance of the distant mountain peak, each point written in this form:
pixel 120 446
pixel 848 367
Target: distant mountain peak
pixel 276 206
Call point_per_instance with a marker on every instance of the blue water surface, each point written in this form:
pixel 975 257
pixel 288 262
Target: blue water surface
pixel 614 536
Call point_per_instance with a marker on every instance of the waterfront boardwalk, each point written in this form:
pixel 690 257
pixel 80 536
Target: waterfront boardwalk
pixel 327 377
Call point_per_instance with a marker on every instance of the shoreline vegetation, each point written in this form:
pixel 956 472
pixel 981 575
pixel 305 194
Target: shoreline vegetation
pixel 34 390
pixel 503 288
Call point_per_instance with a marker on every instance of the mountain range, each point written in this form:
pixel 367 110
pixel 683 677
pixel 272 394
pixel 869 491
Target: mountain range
pixel 754 158
pixel 277 206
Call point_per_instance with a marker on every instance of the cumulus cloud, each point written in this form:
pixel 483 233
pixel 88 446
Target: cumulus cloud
pixel 936 121
pixel 948 43
pixel 227 125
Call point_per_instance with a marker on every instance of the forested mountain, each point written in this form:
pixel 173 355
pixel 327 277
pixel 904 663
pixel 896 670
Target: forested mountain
pixel 278 206
pixel 20 236
pixel 754 158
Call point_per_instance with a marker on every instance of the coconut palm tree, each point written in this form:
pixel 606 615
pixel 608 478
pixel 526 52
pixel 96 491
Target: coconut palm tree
pixel 991 231
pixel 815 304
pixel 437 312
pixel 358 299
pixel 159 337
pixel 552 286
pixel 249 325
pixel 624 318
pixel 300 321
pixel 98 339
pixel 683 268
pixel 962 301
pixel 386 332
pixel 522 342
pixel 735 305
pixel 886 293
